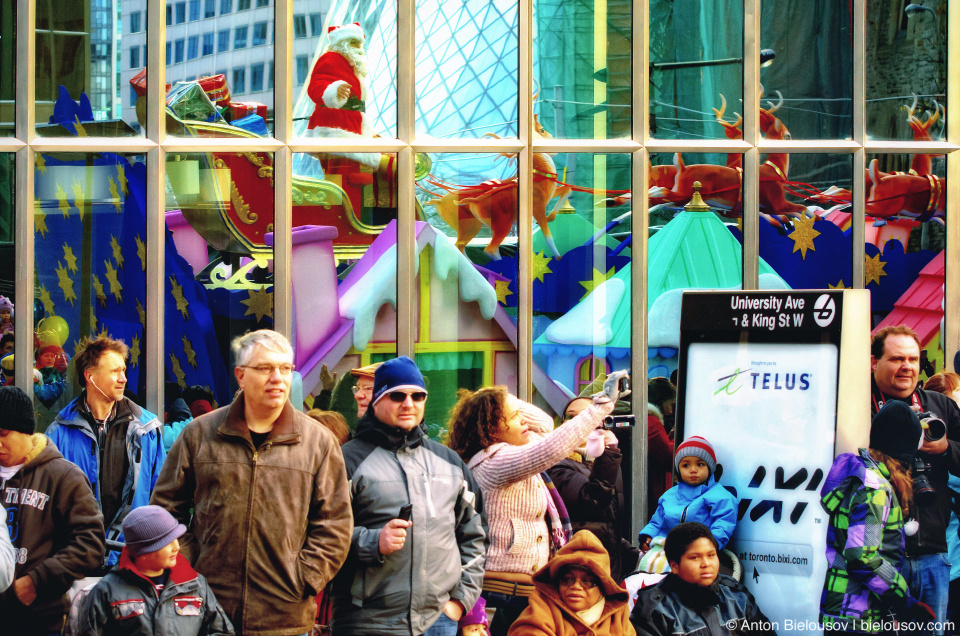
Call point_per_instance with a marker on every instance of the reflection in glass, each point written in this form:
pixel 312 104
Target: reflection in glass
pixel 89 245
pixel 906 247
pixel 813 68
pixel 696 56
pixel 7 263
pixel 219 277
pixel 804 222
pixel 905 56
pixel 344 250
pixel 80 57
pixel 466 287
pixel 582 67
pixel 8 62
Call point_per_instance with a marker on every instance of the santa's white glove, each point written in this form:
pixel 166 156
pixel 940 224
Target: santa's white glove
pixel 611 388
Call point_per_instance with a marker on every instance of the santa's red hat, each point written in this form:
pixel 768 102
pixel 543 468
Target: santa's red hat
pixel 344 32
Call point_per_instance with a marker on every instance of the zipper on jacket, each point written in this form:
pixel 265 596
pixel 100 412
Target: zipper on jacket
pixel 246 542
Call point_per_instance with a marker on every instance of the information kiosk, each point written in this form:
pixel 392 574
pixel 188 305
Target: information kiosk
pixel 779 383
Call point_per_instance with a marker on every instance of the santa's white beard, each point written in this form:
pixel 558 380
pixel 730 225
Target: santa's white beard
pixel 356 57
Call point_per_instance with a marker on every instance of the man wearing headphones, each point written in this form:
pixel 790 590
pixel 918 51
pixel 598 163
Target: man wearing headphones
pixel 117 444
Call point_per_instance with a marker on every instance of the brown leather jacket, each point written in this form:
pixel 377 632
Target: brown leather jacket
pixel 270 526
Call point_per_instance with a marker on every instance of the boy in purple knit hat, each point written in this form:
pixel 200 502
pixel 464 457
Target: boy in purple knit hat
pixel 153 585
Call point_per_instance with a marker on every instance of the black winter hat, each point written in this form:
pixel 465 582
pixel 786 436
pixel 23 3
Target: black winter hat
pixel 896 431
pixel 16 411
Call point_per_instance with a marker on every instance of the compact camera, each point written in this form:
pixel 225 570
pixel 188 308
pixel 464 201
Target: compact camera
pixel 613 422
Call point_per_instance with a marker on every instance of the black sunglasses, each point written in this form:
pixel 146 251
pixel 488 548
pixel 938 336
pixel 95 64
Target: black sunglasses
pixel 400 396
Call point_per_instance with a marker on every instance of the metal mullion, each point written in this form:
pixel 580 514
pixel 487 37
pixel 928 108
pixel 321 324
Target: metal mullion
pixel 283 168
pixel 129 145
pixel 24 127
pixel 639 230
pixel 696 145
pixel 470 145
pixel 156 131
pixel 910 147
pixel 951 319
pixel 585 145
pixel 807 146
pixel 525 203
pixel 858 233
pixel 11 144
pixel 751 134
pixel 219 144
pixel 344 144
pixel 406 197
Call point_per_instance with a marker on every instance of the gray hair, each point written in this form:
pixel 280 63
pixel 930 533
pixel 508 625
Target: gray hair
pixel 243 346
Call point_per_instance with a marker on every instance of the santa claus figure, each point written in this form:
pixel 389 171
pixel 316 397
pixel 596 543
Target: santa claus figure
pixel 339 88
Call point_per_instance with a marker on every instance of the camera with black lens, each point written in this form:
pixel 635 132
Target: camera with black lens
pixel 933 429
pixel 613 422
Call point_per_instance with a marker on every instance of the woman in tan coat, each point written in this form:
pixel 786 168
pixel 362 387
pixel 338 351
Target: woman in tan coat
pixel 575 595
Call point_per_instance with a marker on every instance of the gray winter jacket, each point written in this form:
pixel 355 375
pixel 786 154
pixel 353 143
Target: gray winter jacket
pixel 126 603
pixel 404 592
pixel 8 558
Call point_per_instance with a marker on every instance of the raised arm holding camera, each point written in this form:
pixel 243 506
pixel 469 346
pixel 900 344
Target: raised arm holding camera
pixel 895 362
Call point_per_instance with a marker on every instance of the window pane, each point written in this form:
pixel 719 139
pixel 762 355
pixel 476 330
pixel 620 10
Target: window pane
pixel 90 229
pixel 178 51
pixel 7 265
pixel 243 5
pixel 906 55
pixel 208 43
pixel 259 33
pixel 299 26
pixel 354 204
pixel 209 8
pixel 803 237
pixel 696 55
pixel 584 68
pixel 302 64
pixel 194 10
pixel 8 53
pixel 223 41
pixel 316 24
pixel 181 12
pixel 906 248
pixel 813 69
pixel 256 77
pixel 193 45
pixel 239 81
pixel 240 37
pixel 321 111
pixel 226 6
pixel 90 50
pixel 220 215
pixel 263 3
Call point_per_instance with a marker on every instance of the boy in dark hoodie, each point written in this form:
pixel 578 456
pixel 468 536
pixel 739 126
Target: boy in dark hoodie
pixel 52 518
pixel 153 590
pixel 695 596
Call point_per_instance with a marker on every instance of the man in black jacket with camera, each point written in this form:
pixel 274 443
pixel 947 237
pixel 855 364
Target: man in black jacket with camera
pixel 895 361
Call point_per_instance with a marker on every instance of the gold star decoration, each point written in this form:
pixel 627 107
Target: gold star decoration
pixel 94 321
pixel 141 252
pixel 69 257
pixel 503 290
pixel 541 266
pixel 141 313
pixel 78 199
pixel 598 278
pixel 114 195
pixel 872 269
pixel 803 235
pixel 98 288
pixel 40 221
pixel 41 162
pixel 117 253
pixel 839 285
pixel 65 283
pixel 190 353
pixel 63 205
pixel 135 352
pixel 259 303
pixel 122 178
pixel 177 371
pixel 115 286
pixel 46 300
pixel 78 346
pixel 177 291
pixel 81 131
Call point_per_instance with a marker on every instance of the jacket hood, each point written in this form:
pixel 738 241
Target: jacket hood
pixel 845 467
pixel 43 451
pixel 371 429
pixel 586 551
pixel 180 573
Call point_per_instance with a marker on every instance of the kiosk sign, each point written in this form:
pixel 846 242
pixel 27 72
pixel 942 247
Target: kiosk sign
pixel 759 380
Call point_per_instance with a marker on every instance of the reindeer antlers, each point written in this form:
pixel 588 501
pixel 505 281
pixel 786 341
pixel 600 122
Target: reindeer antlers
pixel 723 109
pixel 932 118
pixel 775 107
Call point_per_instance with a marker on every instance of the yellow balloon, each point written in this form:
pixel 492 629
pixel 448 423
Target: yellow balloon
pixel 53 330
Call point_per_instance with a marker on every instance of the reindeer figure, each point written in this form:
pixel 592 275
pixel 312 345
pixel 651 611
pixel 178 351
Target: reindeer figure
pixel 495 203
pixel 922 164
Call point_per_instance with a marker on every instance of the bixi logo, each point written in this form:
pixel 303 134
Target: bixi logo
pixel 824 310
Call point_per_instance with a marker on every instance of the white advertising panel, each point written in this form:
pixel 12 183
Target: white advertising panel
pixel 769 410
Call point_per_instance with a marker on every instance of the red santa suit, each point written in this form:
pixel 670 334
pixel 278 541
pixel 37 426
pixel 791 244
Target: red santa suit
pixel 336 117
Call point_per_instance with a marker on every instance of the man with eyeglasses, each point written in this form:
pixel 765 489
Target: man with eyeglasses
pixel 271 518
pixel 363 389
pixel 419 540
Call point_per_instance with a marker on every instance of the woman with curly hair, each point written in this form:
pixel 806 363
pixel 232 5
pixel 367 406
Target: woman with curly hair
pixel 507 444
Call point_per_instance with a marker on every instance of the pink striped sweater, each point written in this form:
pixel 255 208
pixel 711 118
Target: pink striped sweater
pixel 514 495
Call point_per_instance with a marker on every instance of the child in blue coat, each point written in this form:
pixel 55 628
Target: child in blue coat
pixel 697 497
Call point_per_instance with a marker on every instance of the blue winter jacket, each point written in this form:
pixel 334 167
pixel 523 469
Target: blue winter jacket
pixel 76 439
pixel 711 504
